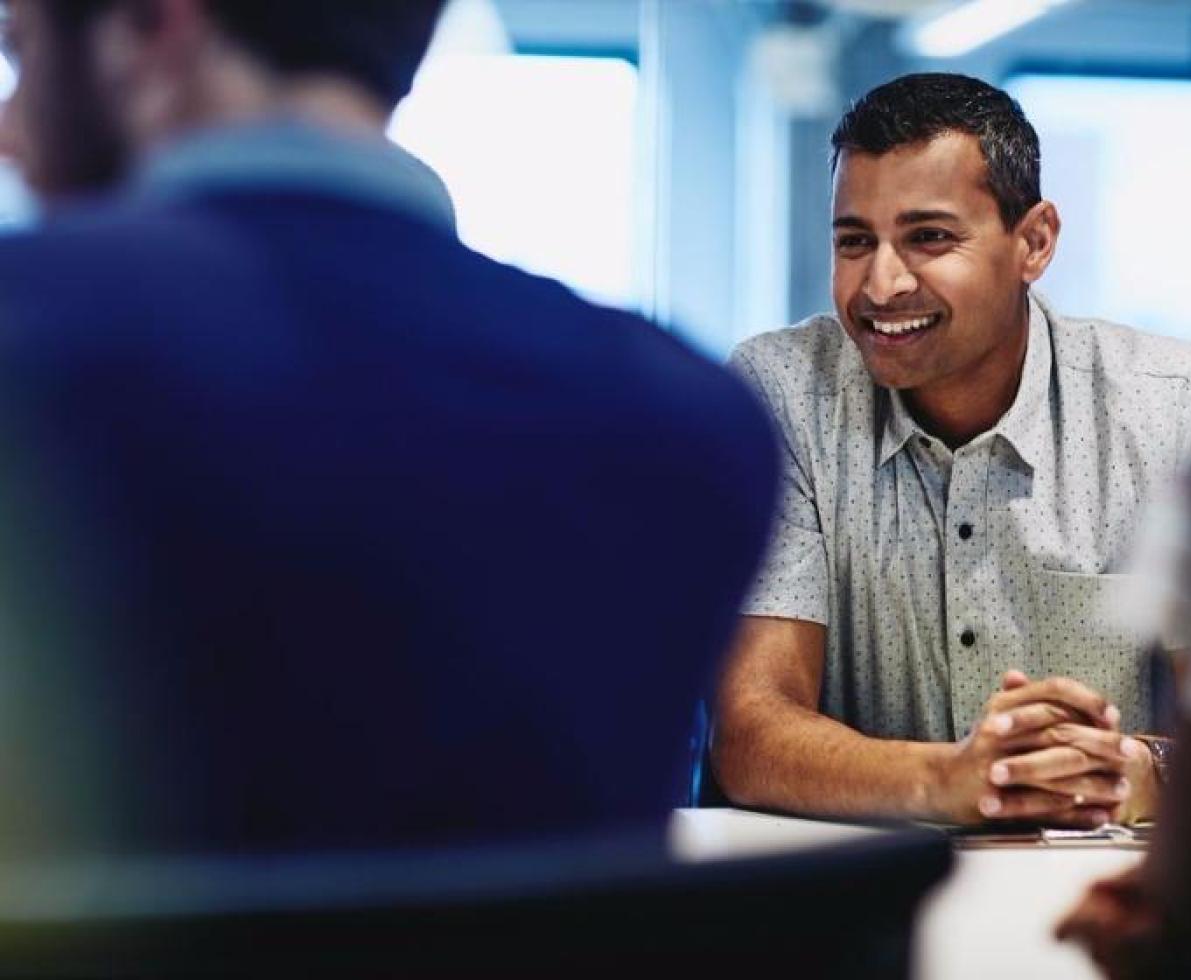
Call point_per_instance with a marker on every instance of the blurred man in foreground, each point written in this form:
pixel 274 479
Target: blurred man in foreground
pixel 319 530
pixel 934 633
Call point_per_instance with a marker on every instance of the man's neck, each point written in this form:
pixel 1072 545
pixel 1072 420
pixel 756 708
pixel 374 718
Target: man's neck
pixel 333 104
pixel 230 89
pixel 960 408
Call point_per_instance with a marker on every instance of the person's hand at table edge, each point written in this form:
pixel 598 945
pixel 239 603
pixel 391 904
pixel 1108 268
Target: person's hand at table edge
pixel 1117 923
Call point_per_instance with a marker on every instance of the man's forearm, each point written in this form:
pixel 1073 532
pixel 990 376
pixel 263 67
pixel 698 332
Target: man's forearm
pixel 789 758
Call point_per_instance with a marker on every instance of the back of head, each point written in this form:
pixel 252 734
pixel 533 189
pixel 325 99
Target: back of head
pixel 377 44
pixel 77 124
pixel 917 108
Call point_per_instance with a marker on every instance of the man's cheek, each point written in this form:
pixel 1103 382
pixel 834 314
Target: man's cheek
pixel 842 296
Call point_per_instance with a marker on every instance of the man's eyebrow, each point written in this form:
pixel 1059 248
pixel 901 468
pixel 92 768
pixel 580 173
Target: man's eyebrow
pixel 905 218
pixel 850 221
pixel 918 217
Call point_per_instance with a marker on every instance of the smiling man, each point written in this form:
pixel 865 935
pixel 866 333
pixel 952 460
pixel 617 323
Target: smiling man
pixel 935 632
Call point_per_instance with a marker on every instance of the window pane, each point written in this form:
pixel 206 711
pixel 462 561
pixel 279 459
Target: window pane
pixel 1115 159
pixel 538 154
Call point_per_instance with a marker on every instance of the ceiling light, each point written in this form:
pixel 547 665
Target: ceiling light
pixel 970 25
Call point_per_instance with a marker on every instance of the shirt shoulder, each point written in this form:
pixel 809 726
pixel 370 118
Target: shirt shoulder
pixel 1115 351
pixel 813 357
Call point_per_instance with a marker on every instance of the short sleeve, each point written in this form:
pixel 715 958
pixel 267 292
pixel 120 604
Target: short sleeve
pixel 792 580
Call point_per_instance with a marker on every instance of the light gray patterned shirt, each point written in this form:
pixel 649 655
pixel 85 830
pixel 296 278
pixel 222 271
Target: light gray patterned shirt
pixel 936 571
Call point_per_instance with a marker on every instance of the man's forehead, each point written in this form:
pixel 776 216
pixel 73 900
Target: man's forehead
pixel 938 174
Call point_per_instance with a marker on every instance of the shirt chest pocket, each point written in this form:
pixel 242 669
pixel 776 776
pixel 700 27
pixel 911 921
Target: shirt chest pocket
pixel 1082 629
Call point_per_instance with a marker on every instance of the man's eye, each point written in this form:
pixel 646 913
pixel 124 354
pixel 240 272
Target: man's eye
pixel 931 236
pixel 851 243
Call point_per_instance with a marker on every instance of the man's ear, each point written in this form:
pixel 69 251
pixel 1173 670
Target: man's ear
pixel 1038 234
pixel 162 28
pixel 144 53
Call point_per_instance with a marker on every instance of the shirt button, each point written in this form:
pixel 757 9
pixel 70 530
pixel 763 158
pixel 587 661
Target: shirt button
pixel 965 531
pixel 967 638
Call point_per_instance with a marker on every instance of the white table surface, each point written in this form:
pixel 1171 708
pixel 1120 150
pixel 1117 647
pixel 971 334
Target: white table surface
pixel 991 919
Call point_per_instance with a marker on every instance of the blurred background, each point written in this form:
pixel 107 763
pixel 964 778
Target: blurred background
pixel 670 156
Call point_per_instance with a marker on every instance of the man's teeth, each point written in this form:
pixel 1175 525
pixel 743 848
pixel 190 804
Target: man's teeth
pixel 901 326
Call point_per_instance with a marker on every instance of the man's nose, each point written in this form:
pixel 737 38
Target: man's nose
pixel 888 277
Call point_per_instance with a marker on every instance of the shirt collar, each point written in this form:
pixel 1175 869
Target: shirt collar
pixel 288 154
pixel 899 427
pixel 1024 426
pixel 1021 426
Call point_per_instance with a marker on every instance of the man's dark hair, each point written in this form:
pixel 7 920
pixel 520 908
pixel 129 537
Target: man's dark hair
pixel 375 43
pixel 918 108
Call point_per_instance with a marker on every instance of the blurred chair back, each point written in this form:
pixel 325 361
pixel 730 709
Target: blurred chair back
pixel 579 908
pixel 703 788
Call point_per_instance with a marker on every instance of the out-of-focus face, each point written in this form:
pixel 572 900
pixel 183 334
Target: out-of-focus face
pixel 927 281
pixel 55 126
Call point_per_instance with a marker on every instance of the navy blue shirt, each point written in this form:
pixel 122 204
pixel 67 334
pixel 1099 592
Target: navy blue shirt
pixel 319 530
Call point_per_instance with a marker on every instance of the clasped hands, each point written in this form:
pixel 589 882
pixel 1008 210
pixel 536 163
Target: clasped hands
pixel 1047 751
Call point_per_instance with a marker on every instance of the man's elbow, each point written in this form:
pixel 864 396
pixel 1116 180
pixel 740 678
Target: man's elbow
pixel 733 758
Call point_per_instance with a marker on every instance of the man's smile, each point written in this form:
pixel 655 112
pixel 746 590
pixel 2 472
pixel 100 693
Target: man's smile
pixel 900 328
